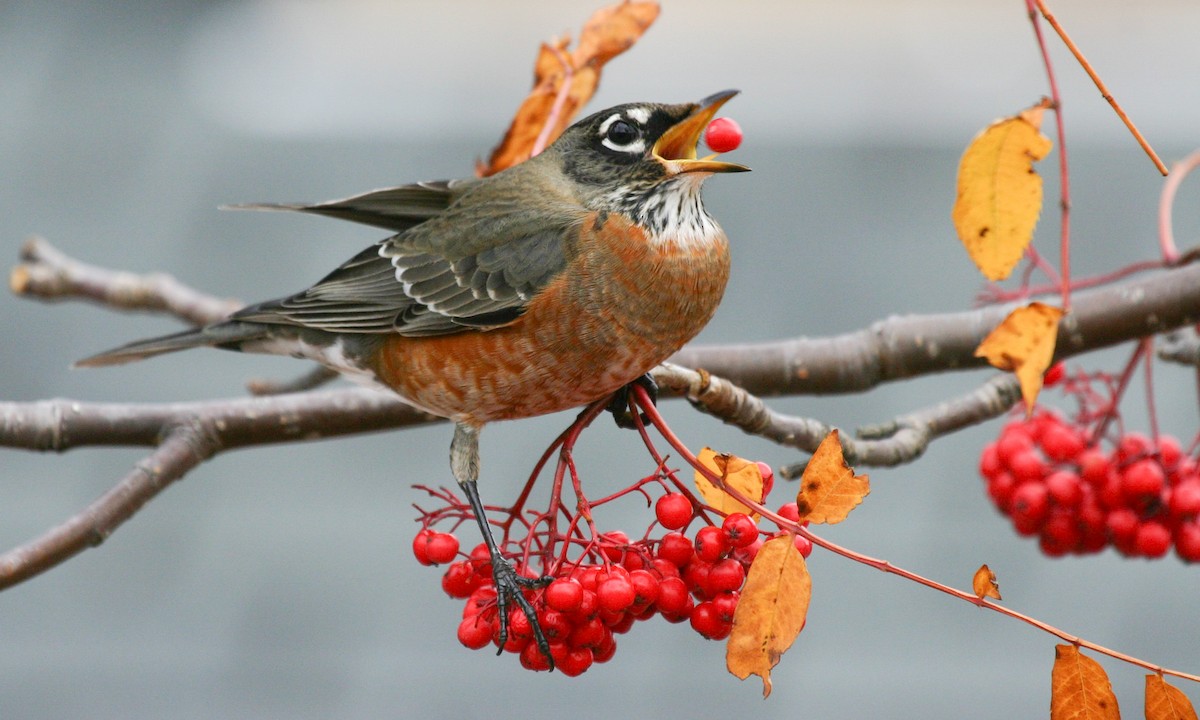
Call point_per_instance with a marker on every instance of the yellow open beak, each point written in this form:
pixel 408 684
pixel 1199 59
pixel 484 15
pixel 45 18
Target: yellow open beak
pixel 676 149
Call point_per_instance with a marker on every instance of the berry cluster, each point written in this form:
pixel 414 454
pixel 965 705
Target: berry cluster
pixel 614 584
pixel 1141 496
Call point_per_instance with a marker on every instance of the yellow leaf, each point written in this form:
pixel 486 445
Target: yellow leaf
pixel 1166 702
pixel 829 489
pixel 1079 688
pixel 984 583
pixel 770 612
pixel 738 473
pixel 1024 343
pixel 999 194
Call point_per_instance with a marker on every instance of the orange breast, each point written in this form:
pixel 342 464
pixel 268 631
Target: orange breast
pixel 623 305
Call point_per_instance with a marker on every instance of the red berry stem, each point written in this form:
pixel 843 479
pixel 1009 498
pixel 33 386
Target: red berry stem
pixel 1111 412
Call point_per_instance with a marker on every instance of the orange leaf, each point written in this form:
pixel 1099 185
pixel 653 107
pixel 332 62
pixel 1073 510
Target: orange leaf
pixel 1024 343
pixel 738 473
pixel 1166 702
pixel 770 612
pixel 984 583
pixel 999 194
pixel 829 489
pixel 1079 688
pixel 563 81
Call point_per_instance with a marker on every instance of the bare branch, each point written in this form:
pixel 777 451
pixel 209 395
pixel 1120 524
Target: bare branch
pixel 183 449
pixel 48 274
pixel 907 346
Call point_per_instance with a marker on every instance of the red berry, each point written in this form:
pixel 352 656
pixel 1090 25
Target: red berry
pixel 725 576
pixel 676 548
pixel 1153 539
pixel 460 579
pixel 707 621
pixel 663 568
pixel 695 576
pixel 1061 443
pixel 645 587
pixel 607 649
pixel 1169 451
pixel 1028 466
pixel 576 663
pixel 1187 541
pixel 1094 466
pixel 1132 447
pixel 441 548
pixel 1014 441
pixel 1142 481
pixel 723 135
pixel 989 461
pixel 587 608
pixel 747 554
pixel 790 511
pixel 533 659
pixel 614 544
pixel 739 530
pixel 726 605
pixel 483 600
pixel 555 625
pixel 803 544
pixel 590 634
pixel 1030 505
pixel 1065 488
pixel 711 544
pixel 672 595
pixel 673 510
pixel 1000 490
pixel 615 594
pixel 768 477
pixel 1061 533
pixel 420 546
pixel 1185 498
pixel 474 632
pixel 1054 375
pixel 564 595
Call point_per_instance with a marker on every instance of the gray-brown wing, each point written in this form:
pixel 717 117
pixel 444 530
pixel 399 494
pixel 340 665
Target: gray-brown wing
pixel 419 293
pixel 396 208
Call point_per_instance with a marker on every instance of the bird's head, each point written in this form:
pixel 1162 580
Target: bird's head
pixel 625 154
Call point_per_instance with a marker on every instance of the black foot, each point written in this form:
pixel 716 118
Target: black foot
pixel 509 587
pixel 621 406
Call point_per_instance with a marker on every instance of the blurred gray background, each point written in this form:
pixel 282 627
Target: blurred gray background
pixel 278 582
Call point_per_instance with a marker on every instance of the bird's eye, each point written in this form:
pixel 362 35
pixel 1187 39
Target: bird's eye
pixel 621 133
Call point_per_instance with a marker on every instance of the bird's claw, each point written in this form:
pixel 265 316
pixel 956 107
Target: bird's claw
pixel 621 405
pixel 509 589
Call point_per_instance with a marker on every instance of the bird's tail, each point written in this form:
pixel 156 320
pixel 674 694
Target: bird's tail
pixel 230 335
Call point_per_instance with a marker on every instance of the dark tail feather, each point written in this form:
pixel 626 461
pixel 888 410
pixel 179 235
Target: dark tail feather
pixel 227 334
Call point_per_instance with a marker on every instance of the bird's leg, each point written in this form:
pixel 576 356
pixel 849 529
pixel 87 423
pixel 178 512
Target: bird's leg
pixel 464 463
pixel 621 405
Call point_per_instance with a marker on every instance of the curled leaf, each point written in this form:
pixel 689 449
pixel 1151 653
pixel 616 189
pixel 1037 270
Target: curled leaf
pixel 770 612
pixel 564 81
pixel 829 489
pixel 984 583
pixel 738 473
pixel 999 193
pixel 1024 343
pixel 1079 688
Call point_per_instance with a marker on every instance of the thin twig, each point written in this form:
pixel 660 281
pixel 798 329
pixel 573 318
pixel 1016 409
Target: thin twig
pixel 1087 67
pixel 1166 203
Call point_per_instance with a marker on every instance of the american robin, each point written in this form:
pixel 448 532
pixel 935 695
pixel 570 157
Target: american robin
pixel 542 288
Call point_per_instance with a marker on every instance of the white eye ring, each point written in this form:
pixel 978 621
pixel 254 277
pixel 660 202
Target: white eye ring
pixel 635 146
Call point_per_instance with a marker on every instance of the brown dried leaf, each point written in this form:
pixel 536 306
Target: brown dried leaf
pixel 564 81
pixel 1166 702
pixel 738 473
pixel 984 583
pixel 1024 343
pixel 829 489
pixel 770 612
pixel 999 193
pixel 1079 688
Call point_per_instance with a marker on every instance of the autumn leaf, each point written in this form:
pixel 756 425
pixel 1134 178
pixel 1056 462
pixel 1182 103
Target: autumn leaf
pixel 1024 343
pixel 999 193
pixel 564 81
pixel 984 583
pixel 738 473
pixel 1166 702
pixel 770 612
pixel 1079 688
pixel 829 489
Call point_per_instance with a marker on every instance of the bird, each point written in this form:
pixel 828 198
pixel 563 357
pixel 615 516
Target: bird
pixel 545 287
